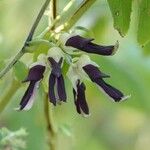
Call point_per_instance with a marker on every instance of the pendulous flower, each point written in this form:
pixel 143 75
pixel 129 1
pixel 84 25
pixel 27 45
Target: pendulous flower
pixel 57 92
pixel 34 76
pixel 88 46
pixel 97 77
pixel 76 78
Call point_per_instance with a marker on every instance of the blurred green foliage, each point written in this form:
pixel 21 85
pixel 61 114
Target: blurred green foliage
pixel 111 126
pixel 12 140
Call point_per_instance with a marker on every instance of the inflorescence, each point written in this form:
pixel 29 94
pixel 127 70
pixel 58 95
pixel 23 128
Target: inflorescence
pixel 80 68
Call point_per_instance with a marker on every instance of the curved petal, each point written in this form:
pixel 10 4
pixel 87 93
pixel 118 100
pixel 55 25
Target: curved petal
pixel 29 96
pixel 99 49
pixel 111 91
pixel 61 89
pixel 76 102
pixel 56 66
pixel 77 42
pixel 86 45
pixel 80 99
pixel 35 73
pixel 94 72
pixel 51 91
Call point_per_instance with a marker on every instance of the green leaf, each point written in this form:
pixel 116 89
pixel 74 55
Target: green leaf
pixel 121 12
pixel 20 70
pixel 34 44
pixel 144 22
pixel 13 140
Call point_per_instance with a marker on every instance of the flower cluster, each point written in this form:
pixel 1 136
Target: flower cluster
pixel 80 68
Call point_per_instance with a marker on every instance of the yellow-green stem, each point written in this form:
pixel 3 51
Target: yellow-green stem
pixel 51 127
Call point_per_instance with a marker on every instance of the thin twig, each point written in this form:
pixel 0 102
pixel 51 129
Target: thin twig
pixel 29 38
pixel 53 12
pixel 54 9
pixel 52 134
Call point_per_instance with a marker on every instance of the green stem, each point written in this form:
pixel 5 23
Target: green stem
pixel 51 129
pixel 84 6
pixel 53 11
pixel 5 99
pixel 11 64
pixel 63 13
pixel 29 38
pixel 35 24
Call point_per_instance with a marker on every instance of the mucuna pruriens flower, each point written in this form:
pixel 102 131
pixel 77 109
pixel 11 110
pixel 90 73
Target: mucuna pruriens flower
pixel 88 46
pixel 34 76
pixel 56 81
pixel 80 68
pixel 97 77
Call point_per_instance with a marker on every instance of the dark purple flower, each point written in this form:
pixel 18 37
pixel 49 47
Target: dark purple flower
pixel 86 45
pixel 57 90
pixel 34 76
pixel 80 99
pixel 96 76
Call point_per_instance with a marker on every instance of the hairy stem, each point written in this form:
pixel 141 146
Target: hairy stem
pixel 29 38
pixel 4 100
pixel 51 129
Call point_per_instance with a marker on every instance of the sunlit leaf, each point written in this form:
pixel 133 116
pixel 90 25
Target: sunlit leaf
pixel 144 22
pixel 121 12
pixel 146 48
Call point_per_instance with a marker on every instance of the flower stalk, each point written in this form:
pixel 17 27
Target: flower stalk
pixel 51 127
pixel 48 112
